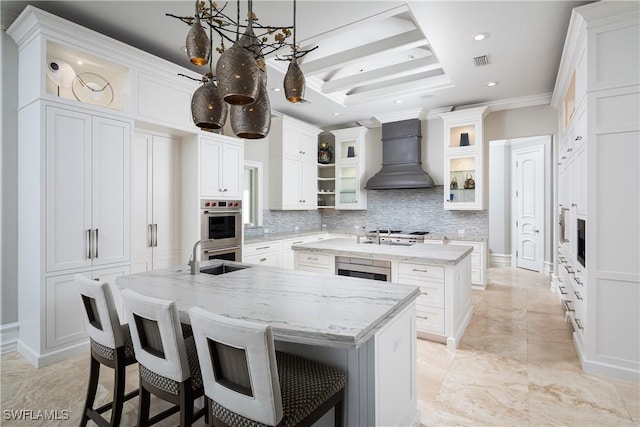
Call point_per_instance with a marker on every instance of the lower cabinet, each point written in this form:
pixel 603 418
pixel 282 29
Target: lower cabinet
pixel 64 318
pixel 318 263
pixel 262 254
pixel 431 303
pixel 478 261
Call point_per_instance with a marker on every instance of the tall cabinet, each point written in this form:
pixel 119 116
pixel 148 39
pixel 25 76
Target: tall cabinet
pixel 350 173
pixel 464 159
pixel 293 164
pixel 597 95
pixel 155 224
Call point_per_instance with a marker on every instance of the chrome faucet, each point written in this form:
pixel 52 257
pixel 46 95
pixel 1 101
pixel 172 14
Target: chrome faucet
pixel 193 261
pixel 377 235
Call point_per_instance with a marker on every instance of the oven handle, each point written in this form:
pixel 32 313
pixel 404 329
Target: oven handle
pixel 214 250
pixel 210 213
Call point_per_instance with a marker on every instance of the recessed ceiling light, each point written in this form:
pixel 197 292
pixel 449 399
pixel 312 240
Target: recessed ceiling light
pixel 398 101
pixel 480 36
pixel 80 62
pixel 336 114
pixel 490 84
pixel 276 89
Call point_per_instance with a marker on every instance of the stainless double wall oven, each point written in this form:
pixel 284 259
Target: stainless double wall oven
pixel 221 229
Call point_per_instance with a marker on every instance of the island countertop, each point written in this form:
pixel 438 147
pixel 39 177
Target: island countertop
pixel 419 252
pixel 301 307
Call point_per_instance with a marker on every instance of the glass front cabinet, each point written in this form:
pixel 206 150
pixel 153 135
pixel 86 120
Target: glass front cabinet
pixel 464 154
pixel 350 171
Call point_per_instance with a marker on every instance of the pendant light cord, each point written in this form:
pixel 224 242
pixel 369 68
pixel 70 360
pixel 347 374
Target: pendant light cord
pixel 294 29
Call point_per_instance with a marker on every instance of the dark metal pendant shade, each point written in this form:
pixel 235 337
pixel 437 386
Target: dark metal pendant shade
pixel 238 77
pixel 198 44
pixel 252 121
pixel 208 110
pixel 294 82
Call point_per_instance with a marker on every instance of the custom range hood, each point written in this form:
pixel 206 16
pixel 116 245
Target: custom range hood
pixel 401 165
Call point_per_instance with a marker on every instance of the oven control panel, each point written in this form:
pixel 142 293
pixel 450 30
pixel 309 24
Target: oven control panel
pixel 220 204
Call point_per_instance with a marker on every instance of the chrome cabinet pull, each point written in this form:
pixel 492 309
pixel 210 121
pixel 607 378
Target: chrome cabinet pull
pixel 312 258
pixel 95 255
pixel 263 259
pixel 154 237
pixel 88 244
pixel 295 243
pixel 264 247
pixel 420 271
pixel 150 235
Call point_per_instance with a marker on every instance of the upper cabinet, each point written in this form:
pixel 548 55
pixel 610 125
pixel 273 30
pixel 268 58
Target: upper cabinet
pixel 350 173
pixel 464 159
pixel 293 164
pixel 221 163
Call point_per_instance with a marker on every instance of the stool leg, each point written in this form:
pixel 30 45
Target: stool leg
pixel 143 407
pixel 94 374
pixel 186 405
pixel 118 389
pixel 339 409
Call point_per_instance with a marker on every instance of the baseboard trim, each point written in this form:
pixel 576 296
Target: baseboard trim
pixel 39 360
pixel 548 268
pixel 500 260
pixel 604 369
pixel 9 337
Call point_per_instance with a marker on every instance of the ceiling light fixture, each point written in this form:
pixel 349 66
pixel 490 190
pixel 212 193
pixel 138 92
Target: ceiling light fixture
pixel 480 36
pixel 398 101
pixel 240 79
pixel 491 84
pixel 336 114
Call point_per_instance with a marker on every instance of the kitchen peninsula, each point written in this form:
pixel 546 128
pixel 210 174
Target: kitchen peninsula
pixel 443 273
pixel 365 327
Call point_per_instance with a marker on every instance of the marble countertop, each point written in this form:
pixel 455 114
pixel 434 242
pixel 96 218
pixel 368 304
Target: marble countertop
pixel 302 307
pixel 419 252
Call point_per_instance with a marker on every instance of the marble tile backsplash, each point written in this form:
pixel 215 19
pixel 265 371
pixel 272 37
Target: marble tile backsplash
pixel 406 210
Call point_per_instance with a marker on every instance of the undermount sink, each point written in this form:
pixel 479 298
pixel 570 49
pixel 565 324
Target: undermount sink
pixel 216 270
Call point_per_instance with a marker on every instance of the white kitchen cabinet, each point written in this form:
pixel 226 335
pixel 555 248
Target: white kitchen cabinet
pixel 313 261
pixel 263 253
pixel 155 224
pixel 596 95
pixel 478 261
pixel 464 159
pixel 350 168
pixel 293 165
pixel 165 102
pixel 88 190
pixel 221 165
pixel 64 319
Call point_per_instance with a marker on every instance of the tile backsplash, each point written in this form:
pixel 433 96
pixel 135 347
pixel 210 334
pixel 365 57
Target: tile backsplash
pixel 407 210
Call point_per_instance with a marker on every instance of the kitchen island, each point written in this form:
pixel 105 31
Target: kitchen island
pixel 362 326
pixel 443 273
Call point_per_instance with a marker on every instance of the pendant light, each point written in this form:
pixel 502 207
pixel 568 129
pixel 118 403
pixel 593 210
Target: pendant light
pixel 294 82
pixel 198 44
pixel 208 110
pixel 237 71
pixel 252 121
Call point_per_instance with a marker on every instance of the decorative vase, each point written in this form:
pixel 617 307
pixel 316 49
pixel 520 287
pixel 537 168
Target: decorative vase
pixel 351 151
pixel 469 183
pixel 454 183
pixel 464 139
pixel 324 153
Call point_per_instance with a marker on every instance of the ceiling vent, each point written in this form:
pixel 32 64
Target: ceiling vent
pixel 481 60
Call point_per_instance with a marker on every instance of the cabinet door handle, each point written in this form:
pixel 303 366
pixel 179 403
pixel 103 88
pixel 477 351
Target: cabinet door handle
pixel 295 243
pixel 150 235
pixel 264 247
pixel 95 255
pixel 579 324
pixel 312 258
pixel 578 281
pixel 562 290
pixel 89 244
pixel 420 271
pixel 263 259
pixel 155 235
pixel 567 306
pixel 578 295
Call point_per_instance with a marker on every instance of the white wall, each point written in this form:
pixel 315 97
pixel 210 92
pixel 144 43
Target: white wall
pixel 9 181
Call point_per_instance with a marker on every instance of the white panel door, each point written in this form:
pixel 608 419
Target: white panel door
pixel 530 208
pixel 232 161
pixel 68 199
pixel 166 196
pixel 141 217
pixel 291 184
pixel 310 185
pixel 210 156
pixel 111 212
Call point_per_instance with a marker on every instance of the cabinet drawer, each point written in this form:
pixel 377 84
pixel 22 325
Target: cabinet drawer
pixel 419 270
pixel 271 259
pixel 430 320
pixel 315 268
pixel 310 258
pixel 432 295
pixel 255 249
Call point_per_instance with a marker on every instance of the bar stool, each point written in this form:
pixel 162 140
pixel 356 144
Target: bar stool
pixel 110 346
pixel 248 383
pixel 168 362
